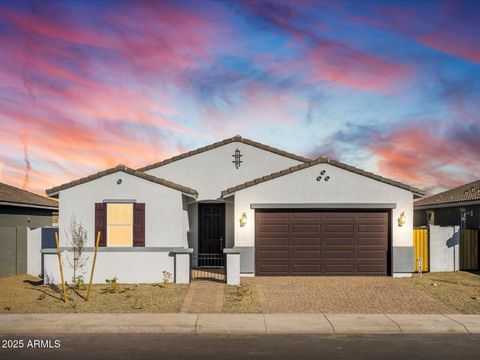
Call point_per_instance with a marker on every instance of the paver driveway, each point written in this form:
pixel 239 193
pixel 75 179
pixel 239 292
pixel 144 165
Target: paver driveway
pixel 345 294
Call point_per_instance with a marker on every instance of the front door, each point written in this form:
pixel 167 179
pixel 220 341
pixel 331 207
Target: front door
pixel 211 239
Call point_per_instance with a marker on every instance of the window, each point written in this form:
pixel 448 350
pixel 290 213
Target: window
pixel 120 224
pixel 430 218
pixel 463 218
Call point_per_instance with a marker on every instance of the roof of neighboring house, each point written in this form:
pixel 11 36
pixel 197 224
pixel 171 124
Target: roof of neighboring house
pixel 321 160
pixel 13 196
pixel 464 193
pixel 53 191
pixel 236 138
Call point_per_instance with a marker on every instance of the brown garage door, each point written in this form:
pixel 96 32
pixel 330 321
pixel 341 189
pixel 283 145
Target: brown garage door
pixel 321 242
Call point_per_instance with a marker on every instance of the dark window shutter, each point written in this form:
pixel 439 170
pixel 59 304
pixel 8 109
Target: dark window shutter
pixel 101 223
pixel 139 225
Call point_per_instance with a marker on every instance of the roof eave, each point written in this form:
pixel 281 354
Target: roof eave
pixel 447 205
pixel 34 206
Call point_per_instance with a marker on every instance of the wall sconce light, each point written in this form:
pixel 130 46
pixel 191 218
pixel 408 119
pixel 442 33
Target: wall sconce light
pixel 402 219
pixel 243 220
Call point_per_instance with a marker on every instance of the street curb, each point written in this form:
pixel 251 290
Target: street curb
pixel 240 323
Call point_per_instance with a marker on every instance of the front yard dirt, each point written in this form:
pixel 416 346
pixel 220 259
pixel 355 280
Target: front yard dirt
pixel 241 299
pixel 459 290
pixel 27 294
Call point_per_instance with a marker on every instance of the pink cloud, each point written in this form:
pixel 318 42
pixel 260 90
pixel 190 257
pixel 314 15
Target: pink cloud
pixel 421 155
pixel 344 65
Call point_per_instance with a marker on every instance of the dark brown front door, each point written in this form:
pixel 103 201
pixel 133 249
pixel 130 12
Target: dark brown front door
pixel 317 242
pixel 211 228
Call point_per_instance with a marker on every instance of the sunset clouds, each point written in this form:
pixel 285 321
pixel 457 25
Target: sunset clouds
pixel 88 85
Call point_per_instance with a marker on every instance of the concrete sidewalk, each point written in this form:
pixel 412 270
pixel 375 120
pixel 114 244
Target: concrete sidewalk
pixel 237 323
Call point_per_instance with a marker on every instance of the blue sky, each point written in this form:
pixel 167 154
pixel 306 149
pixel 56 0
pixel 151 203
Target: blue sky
pixel 392 87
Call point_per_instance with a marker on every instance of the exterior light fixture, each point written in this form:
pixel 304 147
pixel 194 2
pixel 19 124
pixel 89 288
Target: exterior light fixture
pixel 402 219
pixel 243 220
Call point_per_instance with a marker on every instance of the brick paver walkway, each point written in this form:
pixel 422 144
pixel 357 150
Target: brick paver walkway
pixel 203 297
pixel 347 295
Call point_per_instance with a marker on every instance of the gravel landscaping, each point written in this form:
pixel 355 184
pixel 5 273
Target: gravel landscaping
pixel 241 299
pixel 27 294
pixel 429 293
pixel 459 290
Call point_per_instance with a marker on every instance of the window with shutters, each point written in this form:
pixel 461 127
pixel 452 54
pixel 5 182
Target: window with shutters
pixel 119 224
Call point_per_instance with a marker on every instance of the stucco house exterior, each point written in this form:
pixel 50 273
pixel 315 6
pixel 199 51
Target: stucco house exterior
pixel 459 206
pixel 21 210
pixel 281 213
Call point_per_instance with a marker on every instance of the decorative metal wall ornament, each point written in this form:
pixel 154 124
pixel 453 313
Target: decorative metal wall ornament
pixel 326 178
pixel 237 157
pixel 119 181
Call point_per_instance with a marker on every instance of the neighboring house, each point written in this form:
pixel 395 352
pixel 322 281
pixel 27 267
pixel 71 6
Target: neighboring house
pixel 456 207
pixel 20 210
pixel 285 214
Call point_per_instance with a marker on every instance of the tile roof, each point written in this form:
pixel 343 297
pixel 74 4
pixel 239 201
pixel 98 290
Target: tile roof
pixel 18 197
pixel 236 138
pixel 467 192
pixel 129 171
pixel 321 160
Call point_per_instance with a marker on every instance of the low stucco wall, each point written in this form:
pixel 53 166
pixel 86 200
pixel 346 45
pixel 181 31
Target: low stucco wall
pixel 444 248
pixel 128 266
pixel 34 256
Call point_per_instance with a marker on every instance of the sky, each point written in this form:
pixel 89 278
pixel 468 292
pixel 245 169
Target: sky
pixel 392 87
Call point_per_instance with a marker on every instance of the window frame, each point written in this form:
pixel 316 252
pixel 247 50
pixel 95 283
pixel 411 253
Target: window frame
pixel 107 225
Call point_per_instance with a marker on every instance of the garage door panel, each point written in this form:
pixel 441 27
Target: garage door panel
pixel 372 240
pixel 339 254
pixel 339 241
pixel 277 228
pixel 298 215
pixel 339 269
pixel 371 269
pixel 274 254
pixel 369 228
pixel 304 228
pixel 314 240
pixel 274 241
pixel 372 254
pixel 306 254
pixel 341 216
pixel 344 228
pixel 305 269
pixel 270 269
pixel 321 243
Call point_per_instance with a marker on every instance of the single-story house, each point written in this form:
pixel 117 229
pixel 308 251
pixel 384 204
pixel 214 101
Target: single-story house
pixel 20 210
pixel 455 207
pixel 282 213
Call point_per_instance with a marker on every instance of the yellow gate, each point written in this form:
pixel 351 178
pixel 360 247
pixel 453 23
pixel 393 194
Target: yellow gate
pixel 420 244
pixel 468 249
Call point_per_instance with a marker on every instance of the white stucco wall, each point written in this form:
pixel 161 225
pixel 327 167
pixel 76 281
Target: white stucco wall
pixel 166 219
pixel 342 187
pixel 128 267
pixel 212 171
pixel 166 226
pixel 34 257
pixel 444 248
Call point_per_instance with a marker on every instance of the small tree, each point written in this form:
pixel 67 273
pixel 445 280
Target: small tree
pixel 77 261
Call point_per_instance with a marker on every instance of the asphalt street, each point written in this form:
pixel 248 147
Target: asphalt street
pixel 183 346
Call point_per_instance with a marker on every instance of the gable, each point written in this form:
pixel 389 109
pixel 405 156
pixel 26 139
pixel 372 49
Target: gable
pixel 325 162
pixel 124 169
pixel 213 170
